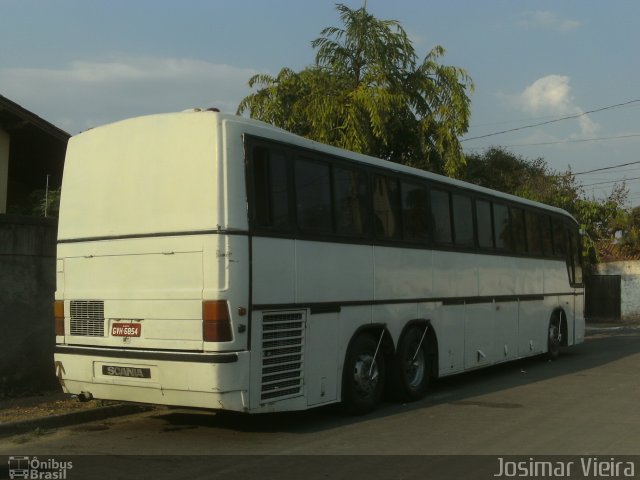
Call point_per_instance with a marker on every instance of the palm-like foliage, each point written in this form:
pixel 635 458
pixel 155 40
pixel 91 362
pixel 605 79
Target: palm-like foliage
pixel 368 92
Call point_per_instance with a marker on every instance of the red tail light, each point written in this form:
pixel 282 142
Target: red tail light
pixel 216 321
pixel 58 313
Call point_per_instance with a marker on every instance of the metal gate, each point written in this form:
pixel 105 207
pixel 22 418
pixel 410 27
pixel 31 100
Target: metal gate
pixel 602 298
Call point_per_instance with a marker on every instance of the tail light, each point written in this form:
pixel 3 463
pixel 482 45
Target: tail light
pixel 58 313
pixel 216 321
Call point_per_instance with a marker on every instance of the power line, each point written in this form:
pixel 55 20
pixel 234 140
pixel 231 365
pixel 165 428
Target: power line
pixel 611 181
pixel 606 168
pixel 559 142
pixel 609 107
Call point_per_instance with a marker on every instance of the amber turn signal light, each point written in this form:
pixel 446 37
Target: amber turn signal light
pixel 216 321
pixel 58 314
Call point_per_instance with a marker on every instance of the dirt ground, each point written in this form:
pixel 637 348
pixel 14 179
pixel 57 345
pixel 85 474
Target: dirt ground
pixel 42 404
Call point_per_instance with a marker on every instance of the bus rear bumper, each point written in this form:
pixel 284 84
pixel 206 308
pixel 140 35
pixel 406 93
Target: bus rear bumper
pixel 215 381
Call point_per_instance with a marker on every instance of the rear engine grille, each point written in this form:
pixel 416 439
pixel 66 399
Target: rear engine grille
pixel 282 355
pixel 87 318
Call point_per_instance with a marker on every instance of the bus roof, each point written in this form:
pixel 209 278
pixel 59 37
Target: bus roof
pixel 271 132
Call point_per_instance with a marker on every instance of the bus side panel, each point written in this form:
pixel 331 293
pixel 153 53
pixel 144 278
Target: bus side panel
pixel 322 355
pixel 317 265
pixel 529 276
pixel 505 324
pixel 556 279
pixel 273 271
pixel 449 328
pixel 403 273
pixel 533 321
pixel 479 336
pixel 455 274
pixel 496 275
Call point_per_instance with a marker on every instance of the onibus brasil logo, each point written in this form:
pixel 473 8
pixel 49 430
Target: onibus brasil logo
pixel 33 468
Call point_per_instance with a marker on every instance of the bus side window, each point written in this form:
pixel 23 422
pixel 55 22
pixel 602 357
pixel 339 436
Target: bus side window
pixel 386 207
pixel 414 212
pixel 270 189
pixel 350 205
pixel 559 238
pixel 534 241
pixel 576 256
pixel 313 196
pixel 547 238
pixel 518 238
pixel 501 224
pixel 462 220
pixel 485 224
pixel 441 214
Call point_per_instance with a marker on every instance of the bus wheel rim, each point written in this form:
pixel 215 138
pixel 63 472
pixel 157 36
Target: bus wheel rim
pixel 366 374
pixel 554 335
pixel 415 369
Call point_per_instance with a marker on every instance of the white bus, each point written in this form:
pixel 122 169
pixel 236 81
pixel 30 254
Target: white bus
pixel 209 260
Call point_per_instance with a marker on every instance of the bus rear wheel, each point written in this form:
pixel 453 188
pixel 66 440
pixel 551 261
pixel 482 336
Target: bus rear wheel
pixel 363 376
pixel 411 367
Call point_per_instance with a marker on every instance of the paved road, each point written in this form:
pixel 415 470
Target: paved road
pixel 587 403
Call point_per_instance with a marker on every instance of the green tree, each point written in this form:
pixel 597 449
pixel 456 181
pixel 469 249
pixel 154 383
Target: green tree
pixel 627 232
pixel 502 170
pixel 368 92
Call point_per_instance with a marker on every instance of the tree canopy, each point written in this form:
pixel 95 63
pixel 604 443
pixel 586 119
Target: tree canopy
pixel 368 92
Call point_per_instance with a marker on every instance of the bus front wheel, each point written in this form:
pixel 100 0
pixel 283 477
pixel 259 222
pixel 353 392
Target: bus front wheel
pixel 554 339
pixel 363 375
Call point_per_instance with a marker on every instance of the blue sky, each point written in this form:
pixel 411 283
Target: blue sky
pixel 84 63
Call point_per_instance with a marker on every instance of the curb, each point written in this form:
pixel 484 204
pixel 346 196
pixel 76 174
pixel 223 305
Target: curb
pixel 72 418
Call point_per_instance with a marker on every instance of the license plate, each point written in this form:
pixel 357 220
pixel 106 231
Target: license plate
pixel 126 330
pixel 119 371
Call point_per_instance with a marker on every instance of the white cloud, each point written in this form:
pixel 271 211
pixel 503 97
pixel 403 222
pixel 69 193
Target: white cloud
pixel 551 95
pixel 84 94
pixel 548 20
pixel 547 94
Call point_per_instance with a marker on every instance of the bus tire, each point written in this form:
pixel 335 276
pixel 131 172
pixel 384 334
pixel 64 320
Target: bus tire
pixel 554 338
pixel 410 371
pixel 363 376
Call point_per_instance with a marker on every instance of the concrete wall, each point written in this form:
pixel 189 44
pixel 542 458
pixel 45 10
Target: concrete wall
pixel 5 141
pixel 27 286
pixel 629 272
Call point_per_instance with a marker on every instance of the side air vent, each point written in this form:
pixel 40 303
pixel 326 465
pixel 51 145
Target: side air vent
pixel 87 318
pixel 282 355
